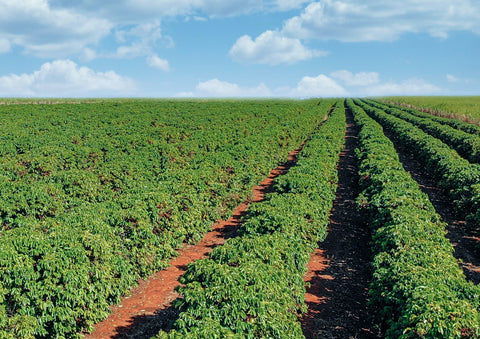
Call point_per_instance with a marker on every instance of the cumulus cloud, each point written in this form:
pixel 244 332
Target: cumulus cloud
pixel 344 84
pixel 319 86
pixel 88 54
pixel 218 88
pixel 138 40
pixel 4 46
pixel 131 51
pixel 353 21
pixel 155 62
pixel 60 28
pixel 369 20
pixel 412 86
pixel 229 8
pixel 64 78
pixel 370 84
pixel 341 83
pixel 200 18
pixel 149 9
pixel 285 5
pixel 135 11
pixel 45 31
pixel 358 79
pixel 452 78
pixel 215 88
pixel 271 48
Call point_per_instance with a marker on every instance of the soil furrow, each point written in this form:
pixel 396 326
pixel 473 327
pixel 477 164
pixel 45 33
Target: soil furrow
pixel 339 271
pixel 149 307
pixel 466 242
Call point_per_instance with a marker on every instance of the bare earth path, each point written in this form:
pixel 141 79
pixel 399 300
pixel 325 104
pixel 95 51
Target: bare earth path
pixel 465 242
pixel 339 271
pixel 149 309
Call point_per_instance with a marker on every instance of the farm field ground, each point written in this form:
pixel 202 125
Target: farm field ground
pixel 344 218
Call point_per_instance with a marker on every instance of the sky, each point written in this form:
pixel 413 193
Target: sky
pixel 239 48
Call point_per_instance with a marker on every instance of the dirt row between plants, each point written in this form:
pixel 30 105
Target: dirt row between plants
pixel 466 242
pixel 339 271
pixel 149 307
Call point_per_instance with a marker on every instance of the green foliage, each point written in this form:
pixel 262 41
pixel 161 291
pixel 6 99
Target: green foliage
pixel 457 107
pixel 252 286
pixel 451 119
pixel 467 145
pixel 94 196
pixel 456 175
pixel 418 288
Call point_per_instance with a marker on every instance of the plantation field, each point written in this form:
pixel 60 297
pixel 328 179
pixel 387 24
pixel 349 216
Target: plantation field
pixel 97 195
pixel 467 107
pixel 94 196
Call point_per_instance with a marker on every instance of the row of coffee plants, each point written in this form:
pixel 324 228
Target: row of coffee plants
pixel 456 175
pixel 418 288
pixel 96 196
pixel 458 107
pixel 456 123
pixel 252 286
pixel 467 145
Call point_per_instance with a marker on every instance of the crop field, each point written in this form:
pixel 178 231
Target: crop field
pixel 466 108
pixel 97 197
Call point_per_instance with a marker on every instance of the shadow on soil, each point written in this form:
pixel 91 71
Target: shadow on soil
pixel 340 285
pixel 147 326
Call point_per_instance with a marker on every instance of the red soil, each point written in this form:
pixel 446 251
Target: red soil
pixel 134 316
pixel 317 265
pixel 339 271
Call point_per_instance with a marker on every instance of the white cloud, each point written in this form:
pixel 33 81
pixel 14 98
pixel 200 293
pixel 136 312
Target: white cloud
pixel 45 31
pixel 360 84
pixel 88 54
pixel 155 62
pixel 200 18
pixel 5 46
pixel 413 86
pixel 141 39
pixel 135 11
pixel 285 5
pixel 223 89
pixel 60 28
pixel 339 84
pixel 228 8
pixel 63 78
pixel 452 78
pixel 319 86
pixel 217 88
pixel 358 79
pixel 369 84
pixel 271 48
pixel 131 51
pixel 456 80
pixel 369 20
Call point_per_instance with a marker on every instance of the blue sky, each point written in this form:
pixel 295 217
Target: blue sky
pixel 238 48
